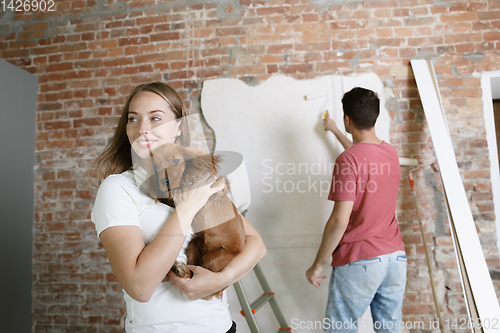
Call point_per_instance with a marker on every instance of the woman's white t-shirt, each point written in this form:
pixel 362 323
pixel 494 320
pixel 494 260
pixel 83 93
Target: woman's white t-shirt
pixel 120 202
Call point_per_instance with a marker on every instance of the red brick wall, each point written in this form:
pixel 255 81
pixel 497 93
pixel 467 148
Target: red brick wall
pixel 88 55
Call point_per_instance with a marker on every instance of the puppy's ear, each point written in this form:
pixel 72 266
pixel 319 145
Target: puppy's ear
pixel 217 160
pixel 207 163
pixel 190 153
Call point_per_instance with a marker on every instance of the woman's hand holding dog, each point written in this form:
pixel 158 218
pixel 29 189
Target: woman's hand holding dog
pixel 188 203
pixel 203 282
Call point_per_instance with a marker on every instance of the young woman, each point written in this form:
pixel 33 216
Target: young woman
pixel 143 239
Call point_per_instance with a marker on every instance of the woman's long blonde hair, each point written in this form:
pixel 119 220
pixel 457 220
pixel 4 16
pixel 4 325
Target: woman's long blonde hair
pixel 117 157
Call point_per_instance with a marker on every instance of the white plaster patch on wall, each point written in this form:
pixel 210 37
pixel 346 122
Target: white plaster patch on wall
pixel 288 155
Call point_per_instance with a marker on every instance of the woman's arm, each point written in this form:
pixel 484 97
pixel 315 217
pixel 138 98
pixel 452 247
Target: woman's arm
pixel 205 282
pixel 244 262
pixel 330 125
pixel 140 268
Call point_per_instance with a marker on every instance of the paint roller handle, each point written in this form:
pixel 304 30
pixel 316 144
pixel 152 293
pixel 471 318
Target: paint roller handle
pixel 329 123
pixel 412 182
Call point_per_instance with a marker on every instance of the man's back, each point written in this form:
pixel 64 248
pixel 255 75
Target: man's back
pixel 369 175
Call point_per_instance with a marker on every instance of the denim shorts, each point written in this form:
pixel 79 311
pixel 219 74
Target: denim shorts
pixel 379 283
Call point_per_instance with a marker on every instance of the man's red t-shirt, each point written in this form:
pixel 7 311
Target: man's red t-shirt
pixel 367 174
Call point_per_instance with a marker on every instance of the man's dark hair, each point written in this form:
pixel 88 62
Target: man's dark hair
pixel 362 106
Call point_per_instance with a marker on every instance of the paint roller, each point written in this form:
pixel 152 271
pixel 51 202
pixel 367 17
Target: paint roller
pixel 319 94
pixel 404 161
pixel 412 162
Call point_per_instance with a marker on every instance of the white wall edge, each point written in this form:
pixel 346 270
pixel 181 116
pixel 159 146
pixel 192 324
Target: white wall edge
pixel 489 122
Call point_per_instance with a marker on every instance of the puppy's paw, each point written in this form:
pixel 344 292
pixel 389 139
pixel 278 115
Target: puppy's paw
pixel 181 270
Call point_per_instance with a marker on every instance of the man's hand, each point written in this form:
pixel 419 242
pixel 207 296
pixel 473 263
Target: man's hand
pixel 329 123
pixel 202 284
pixel 313 273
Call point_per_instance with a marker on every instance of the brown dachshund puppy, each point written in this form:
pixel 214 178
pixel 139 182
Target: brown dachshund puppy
pixel 219 231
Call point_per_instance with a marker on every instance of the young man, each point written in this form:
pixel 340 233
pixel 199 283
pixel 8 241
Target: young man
pixel 362 236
